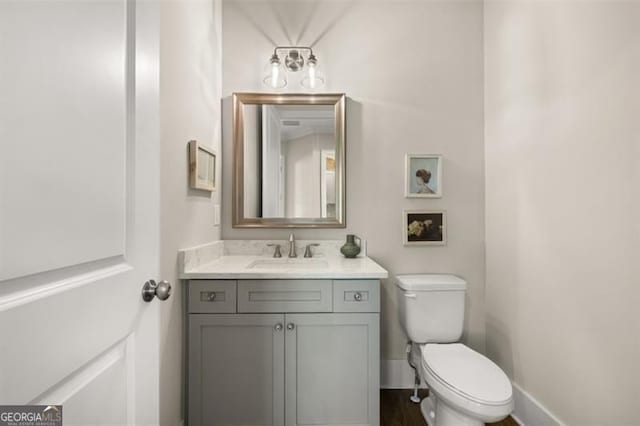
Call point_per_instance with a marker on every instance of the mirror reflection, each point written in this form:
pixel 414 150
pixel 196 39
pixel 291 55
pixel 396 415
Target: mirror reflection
pixel 289 161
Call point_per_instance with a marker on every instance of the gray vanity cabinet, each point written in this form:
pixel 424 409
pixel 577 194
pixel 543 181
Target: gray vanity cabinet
pixel 236 369
pixel 332 369
pixel 293 367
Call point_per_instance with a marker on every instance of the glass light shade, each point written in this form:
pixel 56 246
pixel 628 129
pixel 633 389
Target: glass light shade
pixel 275 74
pixel 313 78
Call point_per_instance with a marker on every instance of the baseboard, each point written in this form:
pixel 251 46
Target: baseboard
pixel 396 374
pixel 530 412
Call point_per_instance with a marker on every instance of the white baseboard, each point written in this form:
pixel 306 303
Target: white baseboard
pixel 529 412
pixel 396 374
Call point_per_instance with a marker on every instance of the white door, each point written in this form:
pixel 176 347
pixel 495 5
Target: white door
pixel 79 185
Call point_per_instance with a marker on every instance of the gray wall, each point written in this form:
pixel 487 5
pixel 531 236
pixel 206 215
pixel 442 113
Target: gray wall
pixel 413 72
pixel 563 167
pixel 190 79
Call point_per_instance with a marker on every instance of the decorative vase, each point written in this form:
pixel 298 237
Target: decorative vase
pixel 350 249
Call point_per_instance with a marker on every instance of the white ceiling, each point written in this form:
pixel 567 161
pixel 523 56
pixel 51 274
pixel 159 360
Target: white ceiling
pixel 301 120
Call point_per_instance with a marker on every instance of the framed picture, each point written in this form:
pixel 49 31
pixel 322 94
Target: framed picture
pixel 425 227
pixel 202 167
pixel 423 176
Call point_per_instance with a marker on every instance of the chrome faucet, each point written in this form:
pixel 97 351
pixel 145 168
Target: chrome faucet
pixel 292 246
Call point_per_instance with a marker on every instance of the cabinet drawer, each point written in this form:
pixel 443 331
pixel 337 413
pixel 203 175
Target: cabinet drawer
pixel 206 296
pixel 356 296
pixel 284 296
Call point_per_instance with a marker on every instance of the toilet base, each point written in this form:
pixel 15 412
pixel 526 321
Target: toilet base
pixel 428 408
pixel 437 413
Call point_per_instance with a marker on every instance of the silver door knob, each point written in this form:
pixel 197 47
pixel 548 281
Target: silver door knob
pixel 151 289
pixel 290 326
pixel 278 327
pixel 357 296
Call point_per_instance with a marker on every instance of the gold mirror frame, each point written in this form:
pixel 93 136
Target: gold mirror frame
pixel 339 103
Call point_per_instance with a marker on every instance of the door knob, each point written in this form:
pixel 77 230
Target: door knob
pixel 161 290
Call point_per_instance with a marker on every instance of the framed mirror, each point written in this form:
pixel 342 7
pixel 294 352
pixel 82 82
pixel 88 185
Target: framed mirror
pixel 289 160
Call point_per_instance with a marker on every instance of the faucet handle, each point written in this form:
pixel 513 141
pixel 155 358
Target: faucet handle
pixel 307 250
pixel 276 252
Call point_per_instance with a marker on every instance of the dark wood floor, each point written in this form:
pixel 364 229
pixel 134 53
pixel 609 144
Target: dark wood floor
pixel 397 410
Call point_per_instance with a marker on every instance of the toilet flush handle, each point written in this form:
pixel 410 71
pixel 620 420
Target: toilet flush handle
pixel 410 295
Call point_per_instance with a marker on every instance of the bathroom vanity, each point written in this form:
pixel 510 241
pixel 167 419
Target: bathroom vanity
pixel 276 337
pixel 281 341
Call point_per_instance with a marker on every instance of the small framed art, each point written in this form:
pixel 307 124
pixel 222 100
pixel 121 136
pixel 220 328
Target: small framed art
pixel 425 228
pixel 423 176
pixel 202 167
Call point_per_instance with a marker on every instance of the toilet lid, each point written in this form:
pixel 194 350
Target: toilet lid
pixel 467 372
pixel 430 282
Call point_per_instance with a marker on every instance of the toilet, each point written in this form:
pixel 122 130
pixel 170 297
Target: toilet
pixel 465 387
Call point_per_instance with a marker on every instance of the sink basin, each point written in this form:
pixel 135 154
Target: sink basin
pixel 311 264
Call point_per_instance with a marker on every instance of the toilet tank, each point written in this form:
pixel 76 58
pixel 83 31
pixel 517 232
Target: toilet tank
pixel 431 307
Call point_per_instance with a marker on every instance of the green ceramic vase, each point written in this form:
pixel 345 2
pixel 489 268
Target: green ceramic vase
pixel 350 249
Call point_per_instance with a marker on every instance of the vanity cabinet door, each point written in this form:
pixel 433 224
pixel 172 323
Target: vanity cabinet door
pixel 332 369
pixel 236 369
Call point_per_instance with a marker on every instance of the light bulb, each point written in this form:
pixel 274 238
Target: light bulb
pixel 275 71
pixel 312 75
pixel 314 78
pixel 275 77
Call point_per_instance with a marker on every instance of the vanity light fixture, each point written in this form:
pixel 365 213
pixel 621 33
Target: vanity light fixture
pixel 293 59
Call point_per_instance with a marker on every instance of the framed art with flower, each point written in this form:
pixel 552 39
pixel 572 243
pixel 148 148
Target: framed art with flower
pixel 425 227
pixel 423 176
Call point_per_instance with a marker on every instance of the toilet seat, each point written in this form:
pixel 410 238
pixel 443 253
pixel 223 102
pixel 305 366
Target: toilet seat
pixel 467 380
pixel 467 373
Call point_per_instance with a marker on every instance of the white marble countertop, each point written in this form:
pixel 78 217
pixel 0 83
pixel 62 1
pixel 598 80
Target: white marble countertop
pixel 263 267
pixel 215 262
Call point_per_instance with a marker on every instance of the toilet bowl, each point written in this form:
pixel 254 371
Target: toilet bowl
pixel 466 388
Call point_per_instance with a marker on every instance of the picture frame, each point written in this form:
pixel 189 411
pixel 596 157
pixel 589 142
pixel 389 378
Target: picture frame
pixel 423 176
pixel 424 227
pixel 202 167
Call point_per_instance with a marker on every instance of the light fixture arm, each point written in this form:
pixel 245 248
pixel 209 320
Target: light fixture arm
pixel 304 48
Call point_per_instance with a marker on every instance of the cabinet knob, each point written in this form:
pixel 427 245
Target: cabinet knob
pixel 291 326
pixel 212 296
pixel 357 296
pixel 278 327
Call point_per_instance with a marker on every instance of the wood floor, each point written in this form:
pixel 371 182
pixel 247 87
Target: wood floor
pixel 397 410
